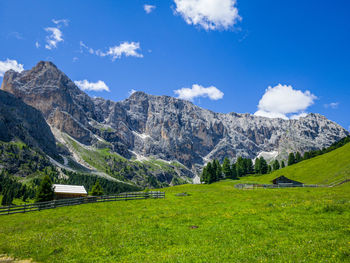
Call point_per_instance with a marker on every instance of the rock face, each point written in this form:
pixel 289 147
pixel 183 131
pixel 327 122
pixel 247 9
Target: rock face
pixel 20 121
pixel 161 126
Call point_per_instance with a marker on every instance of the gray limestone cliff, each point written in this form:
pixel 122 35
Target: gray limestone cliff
pixel 164 127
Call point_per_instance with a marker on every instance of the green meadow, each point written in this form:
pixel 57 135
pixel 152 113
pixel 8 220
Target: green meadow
pixel 214 223
pixel 210 223
pixel 327 169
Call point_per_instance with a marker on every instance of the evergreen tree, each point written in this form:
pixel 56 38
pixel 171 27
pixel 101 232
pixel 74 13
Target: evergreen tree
pixel 291 159
pixel 249 169
pixel 226 168
pixel 298 157
pixel 97 189
pixel 263 166
pixel 257 166
pixel 269 169
pixel 282 164
pixel 8 196
pixel 240 167
pixel 306 156
pixel 211 173
pixel 45 191
pixel 214 172
pixel 205 175
pixel 234 171
pixel 276 165
pixel 218 171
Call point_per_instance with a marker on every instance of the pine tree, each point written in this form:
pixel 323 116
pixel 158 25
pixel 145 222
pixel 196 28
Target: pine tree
pixel 45 191
pixel 263 166
pixel 306 155
pixel 4 198
pixel 249 166
pixel 226 168
pixel 282 164
pixel 97 189
pixel 218 172
pixel 205 177
pixel 211 173
pixel 298 157
pixel 291 159
pixel 257 168
pixel 269 169
pixel 276 165
pixel 240 166
pixel 214 172
pixel 234 171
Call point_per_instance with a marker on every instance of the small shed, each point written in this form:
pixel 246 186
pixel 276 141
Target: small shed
pixel 284 181
pixel 64 191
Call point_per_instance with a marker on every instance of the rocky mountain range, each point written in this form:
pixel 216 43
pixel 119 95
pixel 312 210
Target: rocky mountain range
pixel 145 127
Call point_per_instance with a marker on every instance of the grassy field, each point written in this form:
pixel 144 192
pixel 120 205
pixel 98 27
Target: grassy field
pixel 325 169
pixel 215 223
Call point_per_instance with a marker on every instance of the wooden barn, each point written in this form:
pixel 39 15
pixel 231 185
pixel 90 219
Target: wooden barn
pixel 286 182
pixel 63 191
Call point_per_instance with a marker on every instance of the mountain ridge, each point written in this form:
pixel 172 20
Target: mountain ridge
pixel 163 127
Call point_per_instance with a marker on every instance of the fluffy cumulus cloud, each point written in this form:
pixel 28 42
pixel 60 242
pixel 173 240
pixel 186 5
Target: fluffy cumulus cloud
pixel 282 100
pixel 209 14
pixel 10 64
pixel 91 86
pixel 149 8
pixel 128 49
pixel 55 34
pixel 199 91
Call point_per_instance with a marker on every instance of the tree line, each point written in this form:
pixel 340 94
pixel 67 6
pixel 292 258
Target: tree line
pixel 214 171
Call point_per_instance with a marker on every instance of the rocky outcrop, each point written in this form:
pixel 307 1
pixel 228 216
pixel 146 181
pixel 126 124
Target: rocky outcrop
pixel 25 123
pixel 161 126
pixel 49 90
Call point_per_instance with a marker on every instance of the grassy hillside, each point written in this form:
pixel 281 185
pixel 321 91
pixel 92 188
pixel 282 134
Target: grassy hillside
pixel 148 173
pixel 325 169
pixel 215 223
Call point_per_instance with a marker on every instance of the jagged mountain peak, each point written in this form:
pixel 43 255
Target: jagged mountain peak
pixel 161 126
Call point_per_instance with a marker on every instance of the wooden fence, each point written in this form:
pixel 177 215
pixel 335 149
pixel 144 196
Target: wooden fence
pixel 15 209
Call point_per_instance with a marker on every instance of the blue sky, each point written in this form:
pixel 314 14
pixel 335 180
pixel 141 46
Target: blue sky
pixel 221 54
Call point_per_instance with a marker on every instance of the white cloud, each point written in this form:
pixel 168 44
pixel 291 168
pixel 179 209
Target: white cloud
pixel 10 64
pixel 91 86
pixel 298 116
pixel 54 38
pixel 56 34
pixel 132 91
pixel 269 114
pixel 75 59
pixel 281 100
pixel 128 49
pixel 333 105
pixel 149 8
pixel 37 45
pixel 65 22
pixel 209 14
pixel 199 91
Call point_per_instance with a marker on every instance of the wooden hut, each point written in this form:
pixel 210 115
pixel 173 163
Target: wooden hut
pixel 64 191
pixel 286 182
